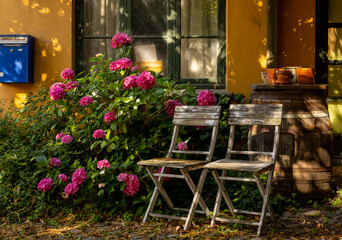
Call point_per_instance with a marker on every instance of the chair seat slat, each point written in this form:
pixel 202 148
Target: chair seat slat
pixel 251 152
pixel 239 165
pixel 170 162
pixel 197 115
pixel 190 152
pixel 195 122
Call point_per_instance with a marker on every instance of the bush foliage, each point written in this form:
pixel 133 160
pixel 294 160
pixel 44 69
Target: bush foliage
pixel 141 129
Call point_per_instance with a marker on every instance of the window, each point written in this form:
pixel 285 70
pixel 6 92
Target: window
pixel 329 45
pixel 185 38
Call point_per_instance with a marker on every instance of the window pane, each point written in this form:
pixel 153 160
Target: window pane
pixel 150 52
pixel 199 17
pixel 94 46
pixel 199 58
pixel 149 17
pixel 335 43
pixel 335 80
pixel 335 9
pixel 101 17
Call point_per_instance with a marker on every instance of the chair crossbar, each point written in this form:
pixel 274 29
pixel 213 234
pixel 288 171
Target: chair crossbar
pixel 190 152
pixel 168 216
pixel 237 179
pixel 247 212
pixel 231 220
pixel 187 210
pixel 168 175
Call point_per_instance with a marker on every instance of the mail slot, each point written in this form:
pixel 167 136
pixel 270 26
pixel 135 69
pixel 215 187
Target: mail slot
pixel 16 58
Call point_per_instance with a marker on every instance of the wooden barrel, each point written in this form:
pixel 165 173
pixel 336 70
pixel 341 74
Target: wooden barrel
pixel 306 139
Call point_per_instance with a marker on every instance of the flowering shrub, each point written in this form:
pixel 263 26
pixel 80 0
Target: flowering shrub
pixel 55 162
pixel 120 39
pixel 103 164
pixel 63 177
pixel 99 134
pixel 145 80
pixel 71 188
pixel 131 183
pixel 85 101
pixel 79 176
pixel 45 184
pixel 68 73
pixel 109 117
pixel 182 146
pixel 66 139
pixel 170 107
pixel 206 98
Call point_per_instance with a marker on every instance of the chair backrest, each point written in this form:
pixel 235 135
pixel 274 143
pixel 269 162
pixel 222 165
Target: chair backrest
pixel 197 116
pixel 254 114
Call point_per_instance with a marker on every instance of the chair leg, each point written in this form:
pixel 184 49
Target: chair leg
pixel 160 188
pixel 221 191
pixel 194 189
pixel 262 192
pixel 265 201
pixel 197 198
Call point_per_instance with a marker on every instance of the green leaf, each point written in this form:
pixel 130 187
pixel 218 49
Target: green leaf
pixel 101 192
pixel 94 145
pixel 104 144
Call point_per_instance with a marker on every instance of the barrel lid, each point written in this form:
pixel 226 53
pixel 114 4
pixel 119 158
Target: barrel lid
pixel 291 86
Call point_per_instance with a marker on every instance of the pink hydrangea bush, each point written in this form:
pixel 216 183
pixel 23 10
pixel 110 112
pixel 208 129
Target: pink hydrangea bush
pixel 56 91
pixel 79 176
pixel 45 184
pixel 72 85
pixel 120 39
pixel 101 185
pixel 85 101
pixel 68 73
pixel 132 183
pixel 123 63
pixel 99 133
pixel 66 139
pixel 129 82
pixel 54 162
pixel 60 135
pixel 145 80
pixel 206 98
pixel 170 107
pixel 103 164
pixel 63 177
pixel 167 171
pixel 71 188
pixel 109 117
pixel 182 146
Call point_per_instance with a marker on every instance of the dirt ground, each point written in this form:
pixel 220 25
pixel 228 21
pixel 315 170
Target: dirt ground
pixel 323 222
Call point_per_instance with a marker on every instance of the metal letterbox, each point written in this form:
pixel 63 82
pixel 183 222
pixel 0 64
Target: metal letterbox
pixel 16 58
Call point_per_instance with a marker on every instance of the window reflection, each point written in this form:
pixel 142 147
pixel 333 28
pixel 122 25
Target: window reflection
pixel 335 44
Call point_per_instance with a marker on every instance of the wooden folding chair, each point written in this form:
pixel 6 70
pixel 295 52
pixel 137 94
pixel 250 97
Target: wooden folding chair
pixel 267 116
pixel 184 116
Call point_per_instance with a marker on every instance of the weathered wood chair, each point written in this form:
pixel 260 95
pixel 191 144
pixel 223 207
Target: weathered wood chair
pixel 184 116
pixel 250 115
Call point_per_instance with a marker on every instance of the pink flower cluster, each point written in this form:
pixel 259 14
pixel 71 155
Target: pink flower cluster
pixel 168 171
pixel 45 184
pixel 103 164
pixel 56 91
pixel 66 139
pixel 132 183
pixel 54 162
pixel 170 107
pixel 99 134
pixel 145 80
pixel 109 117
pixel 68 73
pixel 63 177
pixel 79 176
pixel 123 63
pixel 120 39
pixel 129 82
pixel 71 188
pixel 182 146
pixel 206 98
pixel 72 85
pixel 60 135
pixel 85 101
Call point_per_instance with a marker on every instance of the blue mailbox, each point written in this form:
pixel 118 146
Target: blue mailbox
pixel 16 58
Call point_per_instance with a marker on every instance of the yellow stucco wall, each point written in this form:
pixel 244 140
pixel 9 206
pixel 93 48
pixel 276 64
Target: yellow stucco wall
pixel 246 44
pixel 296 33
pixel 50 22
